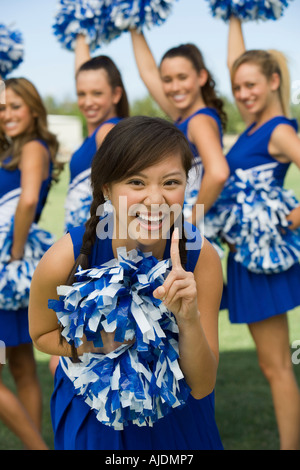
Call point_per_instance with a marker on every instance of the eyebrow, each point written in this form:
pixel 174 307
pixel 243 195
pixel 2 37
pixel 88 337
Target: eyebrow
pixel 173 173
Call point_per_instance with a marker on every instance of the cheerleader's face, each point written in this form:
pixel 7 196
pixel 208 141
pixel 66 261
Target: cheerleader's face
pixel 252 90
pixel 146 204
pixel 96 98
pixel 16 118
pixel 182 83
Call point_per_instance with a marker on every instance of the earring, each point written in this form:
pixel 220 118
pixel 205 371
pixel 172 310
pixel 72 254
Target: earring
pixel 106 198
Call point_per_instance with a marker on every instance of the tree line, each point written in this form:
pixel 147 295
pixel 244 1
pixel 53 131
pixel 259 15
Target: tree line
pixel 147 106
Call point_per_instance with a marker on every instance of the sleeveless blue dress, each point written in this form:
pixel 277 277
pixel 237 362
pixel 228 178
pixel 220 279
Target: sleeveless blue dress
pixel 79 197
pixel 14 322
pixel 196 173
pixel 253 296
pixel 76 426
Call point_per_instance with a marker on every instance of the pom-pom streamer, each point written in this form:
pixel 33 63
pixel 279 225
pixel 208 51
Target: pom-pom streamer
pixel 140 381
pixel 251 213
pixel 15 276
pixel 248 10
pixel 101 21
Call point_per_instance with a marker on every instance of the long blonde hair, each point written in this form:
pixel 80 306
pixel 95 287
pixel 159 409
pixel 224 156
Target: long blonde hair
pixel 13 148
pixel 270 62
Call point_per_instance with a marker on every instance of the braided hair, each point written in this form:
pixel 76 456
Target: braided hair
pixel 134 144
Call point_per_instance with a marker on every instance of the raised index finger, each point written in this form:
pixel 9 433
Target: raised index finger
pixel 174 249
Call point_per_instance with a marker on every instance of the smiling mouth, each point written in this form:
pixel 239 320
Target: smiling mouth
pixel 150 221
pixel 10 125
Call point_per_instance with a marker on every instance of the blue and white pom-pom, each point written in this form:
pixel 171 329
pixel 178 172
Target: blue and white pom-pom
pixel 11 50
pixel 248 10
pixel 251 214
pixel 140 381
pixel 101 21
pixel 140 13
pixel 74 17
pixel 15 277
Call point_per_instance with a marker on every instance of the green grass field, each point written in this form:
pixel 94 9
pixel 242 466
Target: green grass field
pixel 244 410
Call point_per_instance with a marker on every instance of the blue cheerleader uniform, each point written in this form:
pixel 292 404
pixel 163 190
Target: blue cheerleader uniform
pixel 76 425
pixel 14 322
pixel 79 197
pixel 255 296
pixel 196 173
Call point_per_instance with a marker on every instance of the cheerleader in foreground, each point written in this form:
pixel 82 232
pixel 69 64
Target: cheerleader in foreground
pixel 138 338
pixel 263 224
pixel 27 154
pixel 184 89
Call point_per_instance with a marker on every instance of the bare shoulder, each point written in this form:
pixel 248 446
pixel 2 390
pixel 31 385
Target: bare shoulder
pixel 103 131
pixel 33 153
pixel 209 263
pixel 34 146
pixel 57 262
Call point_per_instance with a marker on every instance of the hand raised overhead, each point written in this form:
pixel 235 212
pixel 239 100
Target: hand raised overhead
pixel 179 292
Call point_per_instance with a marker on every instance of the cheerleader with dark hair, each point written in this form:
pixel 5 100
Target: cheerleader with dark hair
pixel 185 90
pixel 137 337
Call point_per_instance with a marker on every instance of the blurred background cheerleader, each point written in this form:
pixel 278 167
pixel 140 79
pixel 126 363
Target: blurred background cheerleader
pixel 185 90
pixel 27 155
pixel 260 84
pixel 102 100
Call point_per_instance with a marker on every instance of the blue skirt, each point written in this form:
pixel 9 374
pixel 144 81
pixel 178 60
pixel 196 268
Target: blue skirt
pixel 14 329
pixel 253 297
pixel 76 427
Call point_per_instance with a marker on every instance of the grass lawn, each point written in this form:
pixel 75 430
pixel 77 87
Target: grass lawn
pixel 244 410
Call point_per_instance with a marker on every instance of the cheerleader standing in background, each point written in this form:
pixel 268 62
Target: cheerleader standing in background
pixel 142 165
pixel 185 90
pixel 27 154
pixel 260 85
pixel 102 99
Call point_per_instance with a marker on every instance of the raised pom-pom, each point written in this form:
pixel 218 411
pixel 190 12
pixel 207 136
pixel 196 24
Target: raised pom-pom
pixel 248 10
pixel 101 21
pixel 140 13
pixel 140 381
pixel 11 50
pixel 74 17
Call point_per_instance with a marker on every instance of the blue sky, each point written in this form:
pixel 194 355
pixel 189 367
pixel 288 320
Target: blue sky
pixel 51 68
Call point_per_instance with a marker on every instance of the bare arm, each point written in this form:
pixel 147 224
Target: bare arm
pixel 52 271
pixel 82 52
pixel 204 133
pixel 235 48
pixel 149 73
pixel 34 168
pixel 284 145
pixel 236 45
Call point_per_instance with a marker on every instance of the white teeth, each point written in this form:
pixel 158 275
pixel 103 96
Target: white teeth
pixel 10 124
pixel 151 218
pixel 179 97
